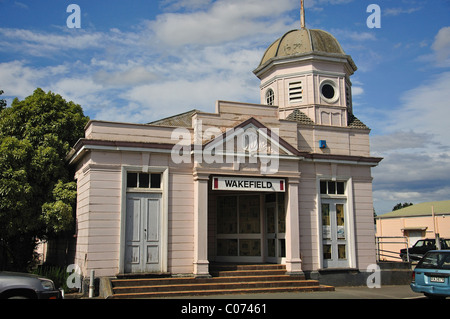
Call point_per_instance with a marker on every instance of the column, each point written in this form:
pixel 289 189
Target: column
pixel 293 261
pixel 201 264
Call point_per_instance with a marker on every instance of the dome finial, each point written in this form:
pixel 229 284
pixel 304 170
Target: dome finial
pixel 302 14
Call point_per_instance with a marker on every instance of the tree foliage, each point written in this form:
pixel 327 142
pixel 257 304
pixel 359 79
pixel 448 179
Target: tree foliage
pixel 2 102
pixel 37 194
pixel 400 206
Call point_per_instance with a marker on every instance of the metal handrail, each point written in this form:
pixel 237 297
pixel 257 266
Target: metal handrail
pixel 381 252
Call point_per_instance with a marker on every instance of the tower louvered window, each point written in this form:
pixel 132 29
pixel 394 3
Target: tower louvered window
pixel 295 92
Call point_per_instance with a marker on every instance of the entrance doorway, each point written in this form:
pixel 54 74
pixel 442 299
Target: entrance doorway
pixel 251 228
pixel 143 233
pixel 334 234
pixel 275 213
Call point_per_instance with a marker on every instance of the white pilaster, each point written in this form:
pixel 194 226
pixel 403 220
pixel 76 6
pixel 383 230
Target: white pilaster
pixel 201 264
pixel 293 261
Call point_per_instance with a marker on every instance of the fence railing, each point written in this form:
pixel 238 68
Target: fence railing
pixel 398 241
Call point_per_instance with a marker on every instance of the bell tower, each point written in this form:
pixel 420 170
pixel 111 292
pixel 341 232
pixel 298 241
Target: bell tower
pixel 307 70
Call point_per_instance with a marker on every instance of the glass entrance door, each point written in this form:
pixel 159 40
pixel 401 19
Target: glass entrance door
pixel 251 228
pixel 275 228
pixel 334 234
pixel 239 235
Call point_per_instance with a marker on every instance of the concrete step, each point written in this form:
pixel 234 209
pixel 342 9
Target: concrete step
pixel 231 267
pixel 215 286
pixel 228 270
pixel 192 281
pixel 240 273
pixel 227 279
pixel 222 292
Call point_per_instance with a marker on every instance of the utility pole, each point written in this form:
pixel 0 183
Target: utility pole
pixel 436 234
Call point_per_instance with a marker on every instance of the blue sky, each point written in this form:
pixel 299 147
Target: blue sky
pixel 140 60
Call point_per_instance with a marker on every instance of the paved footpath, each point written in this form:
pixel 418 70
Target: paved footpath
pixel 385 292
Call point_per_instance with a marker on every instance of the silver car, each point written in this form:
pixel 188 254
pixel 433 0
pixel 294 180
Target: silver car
pixel 15 285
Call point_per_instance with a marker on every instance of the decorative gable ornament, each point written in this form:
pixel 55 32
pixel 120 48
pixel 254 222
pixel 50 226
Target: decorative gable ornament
pixel 246 143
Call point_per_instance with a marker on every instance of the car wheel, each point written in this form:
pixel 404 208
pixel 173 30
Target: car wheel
pixel 18 297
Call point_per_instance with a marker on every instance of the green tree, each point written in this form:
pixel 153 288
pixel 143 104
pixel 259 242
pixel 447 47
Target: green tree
pixel 37 194
pixel 400 206
pixel 2 102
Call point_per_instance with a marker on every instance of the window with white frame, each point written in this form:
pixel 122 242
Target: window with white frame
pixel 144 180
pixel 270 97
pixel 332 188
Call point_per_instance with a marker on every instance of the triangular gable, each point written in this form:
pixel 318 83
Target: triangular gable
pixel 250 138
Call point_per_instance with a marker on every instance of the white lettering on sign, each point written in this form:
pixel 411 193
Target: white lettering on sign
pixel 249 184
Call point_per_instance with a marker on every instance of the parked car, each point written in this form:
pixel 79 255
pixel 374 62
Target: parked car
pixel 419 249
pixel 432 274
pixel 15 285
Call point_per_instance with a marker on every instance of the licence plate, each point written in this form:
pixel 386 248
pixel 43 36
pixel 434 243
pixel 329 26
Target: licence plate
pixel 437 279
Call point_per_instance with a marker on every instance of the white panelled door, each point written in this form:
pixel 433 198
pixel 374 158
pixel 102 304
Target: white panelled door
pixel 334 234
pixel 143 233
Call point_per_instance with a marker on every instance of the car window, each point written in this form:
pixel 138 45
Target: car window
pixel 429 243
pixel 446 243
pixel 435 260
pixel 446 262
pixel 419 243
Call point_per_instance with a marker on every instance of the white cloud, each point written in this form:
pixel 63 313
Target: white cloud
pixel 130 77
pixel 221 22
pixel 398 11
pixel 386 199
pixel 416 141
pixel 416 147
pixel 172 97
pixel 315 3
pixel 399 140
pixel 441 46
pixel 21 5
pixel 440 55
pixel 345 34
pixel 426 108
pixel 175 5
pixel 410 176
pixel 357 91
pixel 41 44
pixel 19 79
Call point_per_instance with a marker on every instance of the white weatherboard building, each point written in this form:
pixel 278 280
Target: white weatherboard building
pixel 286 181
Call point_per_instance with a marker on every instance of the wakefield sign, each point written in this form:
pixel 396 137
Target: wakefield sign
pixel 252 184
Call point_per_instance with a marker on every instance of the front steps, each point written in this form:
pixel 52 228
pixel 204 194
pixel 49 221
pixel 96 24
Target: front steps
pixel 227 279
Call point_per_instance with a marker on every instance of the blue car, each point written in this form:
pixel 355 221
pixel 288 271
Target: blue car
pixel 432 274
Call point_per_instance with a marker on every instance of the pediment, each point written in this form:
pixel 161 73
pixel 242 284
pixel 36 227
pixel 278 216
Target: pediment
pixel 250 138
